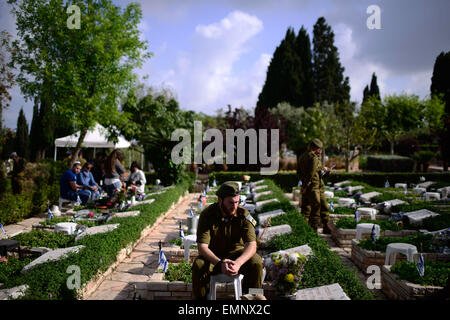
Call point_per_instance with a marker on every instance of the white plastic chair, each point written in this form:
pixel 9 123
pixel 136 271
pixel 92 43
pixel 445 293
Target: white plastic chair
pixel 223 278
pixel 393 248
pixel 188 241
pixel 367 227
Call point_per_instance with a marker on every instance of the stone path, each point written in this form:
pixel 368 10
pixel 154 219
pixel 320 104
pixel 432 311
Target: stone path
pixel 136 269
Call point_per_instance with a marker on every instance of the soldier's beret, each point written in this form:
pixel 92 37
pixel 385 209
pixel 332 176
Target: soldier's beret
pixel 316 143
pixel 228 189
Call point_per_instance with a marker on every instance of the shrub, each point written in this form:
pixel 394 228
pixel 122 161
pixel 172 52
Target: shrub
pixel 179 272
pixel 39 238
pixel 436 273
pixel 390 163
pixel 14 208
pixel 350 223
pixel 343 210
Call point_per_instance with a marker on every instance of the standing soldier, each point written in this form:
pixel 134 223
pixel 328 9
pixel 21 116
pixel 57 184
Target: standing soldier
pixel 226 243
pixel 314 205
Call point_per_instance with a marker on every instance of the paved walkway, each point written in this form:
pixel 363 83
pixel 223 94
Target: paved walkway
pixel 136 269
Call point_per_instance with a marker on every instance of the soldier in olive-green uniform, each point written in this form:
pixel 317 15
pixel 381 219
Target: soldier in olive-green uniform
pixel 226 243
pixel 314 205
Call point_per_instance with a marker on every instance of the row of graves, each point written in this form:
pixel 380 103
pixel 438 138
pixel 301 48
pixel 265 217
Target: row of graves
pixel 59 234
pixel 283 269
pixel 403 230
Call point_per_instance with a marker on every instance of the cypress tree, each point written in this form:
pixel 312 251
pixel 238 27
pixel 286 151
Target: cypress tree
pixel 303 49
pixel 21 143
pixel 330 84
pixel 374 90
pixel 366 94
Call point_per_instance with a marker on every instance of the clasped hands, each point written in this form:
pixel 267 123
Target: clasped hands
pixel 230 267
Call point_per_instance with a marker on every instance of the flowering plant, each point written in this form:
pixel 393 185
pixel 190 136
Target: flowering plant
pixel 285 270
pixel 132 190
pixel 246 178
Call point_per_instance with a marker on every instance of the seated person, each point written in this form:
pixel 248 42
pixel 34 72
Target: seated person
pixel 114 172
pixel 137 178
pixel 68 187
pixel 86 180
pixel 226 243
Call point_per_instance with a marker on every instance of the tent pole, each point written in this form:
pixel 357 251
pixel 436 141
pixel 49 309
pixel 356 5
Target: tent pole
pixel 94 152
pixel 55 152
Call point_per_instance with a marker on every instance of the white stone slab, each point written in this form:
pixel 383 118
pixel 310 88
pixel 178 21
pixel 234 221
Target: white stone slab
pixel 445 192
pixel 53 255
pixel 367 196
pixel 342 183
pixel 142 202
pixel 304 249
pixel 259 182
pixel 419 190
pixel 425 184
pixel 260 187
pixel 95 230
pixel 395 202
pixel 250 207
pixel 260 204
pixel 258 195
pixel 416 217
pixel 432 196
pixel 126 214
pixel 329 194
pixel 345 202
pixel 330 292
pixel 367 212
pixel 262 217
pixel 354 188
pixel 13 293
pixel 271 232
pixel 401 185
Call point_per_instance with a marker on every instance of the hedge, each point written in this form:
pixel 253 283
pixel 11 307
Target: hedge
pixel 48 281
pixel 288 179
pixel 390 163
pixel 324 267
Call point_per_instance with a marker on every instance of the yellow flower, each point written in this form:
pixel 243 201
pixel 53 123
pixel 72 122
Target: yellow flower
pixel 277 262
pixel 289 277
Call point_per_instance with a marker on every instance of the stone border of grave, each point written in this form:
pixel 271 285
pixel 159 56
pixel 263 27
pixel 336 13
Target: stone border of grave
pixel 397 289
pixel 336 217
pixel 364 258
pixel 344 237
pixel 90 287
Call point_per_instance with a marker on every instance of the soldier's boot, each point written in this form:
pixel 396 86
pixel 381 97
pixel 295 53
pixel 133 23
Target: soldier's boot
pixel 325 229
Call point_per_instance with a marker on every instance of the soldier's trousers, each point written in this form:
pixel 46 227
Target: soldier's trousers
pixel 202 269
pixel 315 207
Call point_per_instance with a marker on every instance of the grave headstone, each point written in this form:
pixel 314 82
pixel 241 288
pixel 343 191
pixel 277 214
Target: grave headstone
pixel 419 190
pixel 330 292
pixel 432 196
pixel 127 214
pixel 260 204
pixel 365 197
pixel 416 217
pixel 96 230
pixel 329 194
pixel 142 202
pixel 271 232
pixel 346 202
pixel 304 249
pixel 13 293
pixel 342 183
pixel 401 185
pixel 260 187
pixel 351 189
pixel 53 255
pixel 445 192
pixel 425 184
pixel 258 195
pixel 262 217
pixel 259 182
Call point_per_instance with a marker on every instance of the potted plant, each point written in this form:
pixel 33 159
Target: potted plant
pixel 285 270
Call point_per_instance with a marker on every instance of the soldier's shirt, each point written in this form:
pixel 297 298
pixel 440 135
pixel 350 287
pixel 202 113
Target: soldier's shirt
pixel 310 168
pixel 225 235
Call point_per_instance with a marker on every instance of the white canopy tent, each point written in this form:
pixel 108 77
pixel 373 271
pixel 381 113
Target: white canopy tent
pixel 96 138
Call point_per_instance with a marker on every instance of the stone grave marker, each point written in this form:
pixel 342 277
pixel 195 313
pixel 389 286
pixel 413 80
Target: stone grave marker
pixel 262 217
pixel 386 206
pixel 445 192
pixel 260 204
pixel 330 292
pixel 271 232
pixel 260 187
pixel 419 190
pixel 126 214
pixel 259 182
pixel 425 184
pixel 142 202
pixel 416 217
pixel 346 202
pixel 304 249
pixel 401 185
pixel 53 255
pixel 13 293
pixel 261 194
pixel 367 196
pixel 341 183
pixel 95 230
pixel 354 188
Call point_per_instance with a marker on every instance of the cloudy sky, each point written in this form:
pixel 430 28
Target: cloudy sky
pixel 215 53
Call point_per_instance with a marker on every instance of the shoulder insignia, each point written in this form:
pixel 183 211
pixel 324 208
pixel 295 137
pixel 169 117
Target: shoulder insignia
pixel 250 218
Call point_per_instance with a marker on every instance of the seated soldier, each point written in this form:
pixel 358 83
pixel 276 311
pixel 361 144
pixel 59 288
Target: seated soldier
pixel 68 187
pixel 226 243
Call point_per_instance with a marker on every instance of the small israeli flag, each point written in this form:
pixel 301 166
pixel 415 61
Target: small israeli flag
pixel 191 212
pixel 331 206
pixel 423 196
pixel 357 216
pixel 207 188
pixel 404 190
pixel 204 193
pixel 214 183
pixel 162 261
pixel 373 235
pixel 181 233
pixel 387 185
pixel 3 230
pixel 78 200
pixel 421 266
pixel 299 183
pixel 50 214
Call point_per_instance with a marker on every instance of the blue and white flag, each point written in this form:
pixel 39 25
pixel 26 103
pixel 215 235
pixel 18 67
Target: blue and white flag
pixel 214 183
pixel 204 193
pixel 373 234
pixel 404 190
pixel 3 230
pixel 50 214
pixel 357 216
pixel 162 261
pixel 78 200
pixel 191 212
pixel 331 206
pixel 421 266
pixel 299 183
pixel 181 233
pixel 207 188
pixel 423 196
pixel 387 185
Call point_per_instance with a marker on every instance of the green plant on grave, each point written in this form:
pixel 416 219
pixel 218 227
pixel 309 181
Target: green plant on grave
pixel 343 210
pixel 179 272
pixel 39 238
pixel 421 241
pixel 10 274
pixel 350 223
pixel 436 273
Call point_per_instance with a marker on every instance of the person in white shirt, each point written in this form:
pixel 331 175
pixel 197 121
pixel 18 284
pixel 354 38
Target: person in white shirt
pixel 137 178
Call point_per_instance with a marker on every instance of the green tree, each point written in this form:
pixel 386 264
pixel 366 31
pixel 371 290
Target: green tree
pixel 82 73
pixel 373 90
pixel 6 74
pixel 330 84
pixel 22 144
pixel 440 86
pixel 345 113
pixel 303 50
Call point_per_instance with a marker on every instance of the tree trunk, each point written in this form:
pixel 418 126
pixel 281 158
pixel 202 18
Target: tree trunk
pixel 392 147
pixel 83 133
